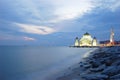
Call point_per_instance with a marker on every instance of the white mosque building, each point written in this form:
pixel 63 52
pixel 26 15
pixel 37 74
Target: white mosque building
pixel 86 40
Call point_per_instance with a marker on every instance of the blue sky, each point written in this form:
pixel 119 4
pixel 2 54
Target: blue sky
pixel 56 22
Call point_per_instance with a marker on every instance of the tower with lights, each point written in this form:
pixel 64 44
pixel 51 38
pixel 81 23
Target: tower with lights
pixel 112 37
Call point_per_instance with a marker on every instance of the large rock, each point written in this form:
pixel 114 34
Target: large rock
pixel 99 69
pixel 95 76
pixel 112 70
pixel 116 77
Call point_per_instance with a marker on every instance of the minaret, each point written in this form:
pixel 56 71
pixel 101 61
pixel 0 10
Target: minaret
pixel 94 42
pixel 112 36
pixel 76 42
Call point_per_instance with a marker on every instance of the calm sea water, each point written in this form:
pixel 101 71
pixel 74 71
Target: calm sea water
pixel 36 63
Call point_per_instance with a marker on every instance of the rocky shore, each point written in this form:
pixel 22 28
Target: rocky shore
pixel 102 64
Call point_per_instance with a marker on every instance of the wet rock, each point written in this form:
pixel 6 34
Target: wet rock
pixel 95 77
pixel 117 63
pixel 99 69
pixel 112 70
pixel 95 64
pixel 115 77
pixel 87 66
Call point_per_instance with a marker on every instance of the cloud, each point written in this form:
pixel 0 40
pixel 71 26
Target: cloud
pixel 34 29
pixel 70 9
pixel 46 10
pixel 10 37
pixel 115 6
pixel 55 11
pixel 16 37
pixel 111 5
pixel 29 39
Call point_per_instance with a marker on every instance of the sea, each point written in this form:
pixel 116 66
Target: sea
pixel 37 63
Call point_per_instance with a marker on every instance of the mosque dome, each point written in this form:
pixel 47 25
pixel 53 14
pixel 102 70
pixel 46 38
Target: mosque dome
pixel 86 34
pixel 86 40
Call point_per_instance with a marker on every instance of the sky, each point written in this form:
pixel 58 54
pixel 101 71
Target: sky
pixel 57 22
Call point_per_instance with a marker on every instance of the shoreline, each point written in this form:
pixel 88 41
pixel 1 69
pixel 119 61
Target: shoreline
pixel 69 68
pixel 85 70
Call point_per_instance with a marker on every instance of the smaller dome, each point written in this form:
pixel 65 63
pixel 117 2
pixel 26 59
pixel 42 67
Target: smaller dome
pixel 86 33
pixel 76 37
pixel 94 38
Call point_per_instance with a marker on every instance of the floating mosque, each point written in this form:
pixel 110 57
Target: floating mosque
pixel 86 40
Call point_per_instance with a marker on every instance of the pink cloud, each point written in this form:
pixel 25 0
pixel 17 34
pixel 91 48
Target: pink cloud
pixel 29 39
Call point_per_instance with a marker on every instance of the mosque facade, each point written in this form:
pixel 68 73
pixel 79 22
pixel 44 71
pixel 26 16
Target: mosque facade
pixel 86 40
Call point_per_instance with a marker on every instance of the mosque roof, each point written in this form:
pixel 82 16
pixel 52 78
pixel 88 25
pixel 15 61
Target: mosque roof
pixel 86 33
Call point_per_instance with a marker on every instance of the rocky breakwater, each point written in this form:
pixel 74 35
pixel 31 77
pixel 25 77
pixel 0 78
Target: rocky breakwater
pixel 103 64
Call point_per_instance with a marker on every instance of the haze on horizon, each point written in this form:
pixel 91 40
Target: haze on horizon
pixel 57 22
